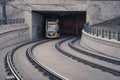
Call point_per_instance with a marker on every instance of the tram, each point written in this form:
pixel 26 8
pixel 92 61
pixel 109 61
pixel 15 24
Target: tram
pixel 52 28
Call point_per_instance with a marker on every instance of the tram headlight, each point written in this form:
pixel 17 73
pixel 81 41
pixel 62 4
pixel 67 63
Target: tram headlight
pixel 51 33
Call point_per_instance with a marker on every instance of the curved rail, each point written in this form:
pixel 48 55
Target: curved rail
pixel 94 65
pixel 47 71
pixel 10 63
pixel 110 60
pixel 12 67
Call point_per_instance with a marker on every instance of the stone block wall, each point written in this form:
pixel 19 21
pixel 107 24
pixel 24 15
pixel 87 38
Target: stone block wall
pixel 97 11
pixel 100 11
pixel 57 5
pixel 102 46
pixel 14 10
pixel 13 34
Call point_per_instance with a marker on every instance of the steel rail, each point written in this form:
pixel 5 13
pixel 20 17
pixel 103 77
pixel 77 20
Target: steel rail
pixel 47 71
pixel 12 67
pixel 94 65
pixel 110 60
pixel 10 62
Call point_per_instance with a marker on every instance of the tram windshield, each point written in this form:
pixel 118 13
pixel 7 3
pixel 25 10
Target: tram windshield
pixel 52 27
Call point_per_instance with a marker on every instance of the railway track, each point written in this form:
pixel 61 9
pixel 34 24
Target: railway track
pixel 13 71
pixel 65 66
pixel 83 57
pixel 10 66
pixel 93 54
pixel 3 61
pixel 41 67
pixel 41 60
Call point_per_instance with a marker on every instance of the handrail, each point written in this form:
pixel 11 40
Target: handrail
pixel 109 29
pixel 103 32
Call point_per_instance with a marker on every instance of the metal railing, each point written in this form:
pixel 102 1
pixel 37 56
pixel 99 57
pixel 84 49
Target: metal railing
pixel 14 21
pixel 103 32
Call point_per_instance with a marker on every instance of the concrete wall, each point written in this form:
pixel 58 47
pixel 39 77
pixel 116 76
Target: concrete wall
pixel 49 5
pixel 28 21
pixel 57 5
pixel 37 25
pixel 99 11
pixel 13 34
pixel 106 46
pixel 16 8
pixel 13 10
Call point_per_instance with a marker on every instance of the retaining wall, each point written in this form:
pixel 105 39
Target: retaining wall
pixel 13 34
pixel 103 45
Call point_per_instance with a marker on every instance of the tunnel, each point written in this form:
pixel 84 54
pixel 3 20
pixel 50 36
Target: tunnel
pixel 70 22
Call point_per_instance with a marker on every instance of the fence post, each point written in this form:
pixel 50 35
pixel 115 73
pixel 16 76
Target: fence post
pixel 109 34
pixel 102 33
pixel 93 31
pixel 4 19
pixel 97 32
pixel 118 36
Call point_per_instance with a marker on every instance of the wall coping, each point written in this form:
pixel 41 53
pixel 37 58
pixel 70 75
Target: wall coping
pixel 12 27
pixel 110 42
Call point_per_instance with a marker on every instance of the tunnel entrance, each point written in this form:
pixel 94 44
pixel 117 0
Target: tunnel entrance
pixel 70 22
